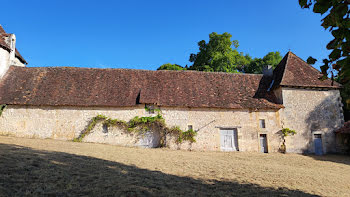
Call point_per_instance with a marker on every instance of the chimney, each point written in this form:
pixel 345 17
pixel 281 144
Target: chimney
pixel 12 44
pixel 10 58
pixel 267 70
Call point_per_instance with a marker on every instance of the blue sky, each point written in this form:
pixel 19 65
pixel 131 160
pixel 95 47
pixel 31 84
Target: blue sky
pixel 146 34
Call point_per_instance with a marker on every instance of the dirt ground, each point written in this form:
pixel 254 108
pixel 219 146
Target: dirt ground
pixel 34 167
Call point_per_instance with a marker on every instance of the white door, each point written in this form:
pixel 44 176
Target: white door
pixel 149 140
pixel 228 138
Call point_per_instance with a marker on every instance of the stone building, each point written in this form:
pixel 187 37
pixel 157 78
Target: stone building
pixel 228 112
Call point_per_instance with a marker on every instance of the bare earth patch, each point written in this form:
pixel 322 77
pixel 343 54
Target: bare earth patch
pixel 34 167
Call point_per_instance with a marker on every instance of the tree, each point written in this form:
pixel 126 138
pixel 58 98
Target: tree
pixel 169 66
pixel 217 55
pixel 338 23
pixel 256 65
pixel 285 133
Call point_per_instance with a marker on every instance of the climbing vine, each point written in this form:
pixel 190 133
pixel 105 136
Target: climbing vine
pixel 140 125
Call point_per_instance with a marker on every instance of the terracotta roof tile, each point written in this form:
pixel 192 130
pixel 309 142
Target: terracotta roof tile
pixel 293 71
pixel 69 86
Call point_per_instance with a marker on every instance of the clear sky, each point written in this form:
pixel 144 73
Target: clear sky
pixel 145 34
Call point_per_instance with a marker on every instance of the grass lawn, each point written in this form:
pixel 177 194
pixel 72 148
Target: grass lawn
pixel 34 167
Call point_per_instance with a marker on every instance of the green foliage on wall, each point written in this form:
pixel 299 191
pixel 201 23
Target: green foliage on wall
pixel 140 125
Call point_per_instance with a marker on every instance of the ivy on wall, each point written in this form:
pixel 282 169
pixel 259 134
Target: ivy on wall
pixel 141 125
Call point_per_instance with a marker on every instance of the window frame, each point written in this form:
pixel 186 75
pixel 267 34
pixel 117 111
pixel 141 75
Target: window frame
pixel 262 123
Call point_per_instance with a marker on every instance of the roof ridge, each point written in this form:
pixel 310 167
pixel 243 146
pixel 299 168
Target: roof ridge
pixel 138 70
pixel 285 65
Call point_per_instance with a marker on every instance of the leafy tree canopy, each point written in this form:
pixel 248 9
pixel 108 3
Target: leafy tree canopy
pixel 256 65
pixel 217 55
pixel 169 66
pixel 337 21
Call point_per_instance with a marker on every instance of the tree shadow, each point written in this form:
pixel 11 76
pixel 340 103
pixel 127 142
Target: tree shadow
pixel 336 158
pixel 28 172
pixel 325 116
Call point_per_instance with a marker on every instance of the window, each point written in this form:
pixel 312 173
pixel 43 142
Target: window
pixel 104 128
pixel 262 123
pixel 190 127
pixel 149 108
pixel 318 136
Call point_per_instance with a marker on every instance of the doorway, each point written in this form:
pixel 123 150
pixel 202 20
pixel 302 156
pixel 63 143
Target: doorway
pixel 263 143
pixel 229 139
pixel 318 144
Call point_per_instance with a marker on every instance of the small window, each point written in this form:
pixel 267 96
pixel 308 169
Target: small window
pixel 190 127
pixel 262 123
pixel 149 109
pixel 104 128
pixel 318 136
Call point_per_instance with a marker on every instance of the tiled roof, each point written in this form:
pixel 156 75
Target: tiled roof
pixel 69 86
pixel 293 71
pixel 5 46
pixel 345 129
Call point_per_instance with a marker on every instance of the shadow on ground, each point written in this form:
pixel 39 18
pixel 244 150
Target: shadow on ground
pixel 28 172
pixel 336 158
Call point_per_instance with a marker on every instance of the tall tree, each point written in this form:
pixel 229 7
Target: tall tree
pixel 256 65
pixel 217 55
pixel 169 66
pixel 337 21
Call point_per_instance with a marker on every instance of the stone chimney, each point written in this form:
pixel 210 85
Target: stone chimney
pixel 8 52
pixel 268 70
pixel 10 40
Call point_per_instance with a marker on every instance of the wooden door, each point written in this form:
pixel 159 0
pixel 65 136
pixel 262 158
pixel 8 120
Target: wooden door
pixel 228 138
pixel 263 143
pixel 318 144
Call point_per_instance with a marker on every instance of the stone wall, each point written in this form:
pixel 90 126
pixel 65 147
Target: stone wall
pixel 65 123
pixel 309 112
